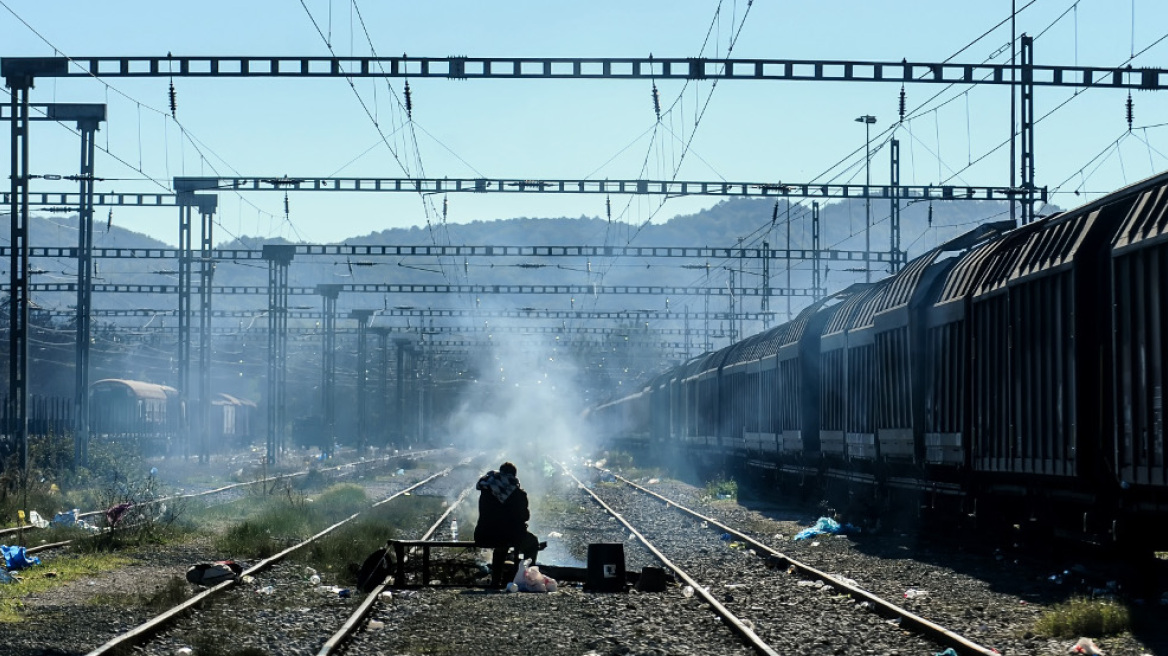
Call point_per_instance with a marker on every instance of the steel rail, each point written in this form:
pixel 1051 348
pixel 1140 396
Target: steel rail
pixel 737 624
pixel 958 642
pixel 367 604
pixel 144 629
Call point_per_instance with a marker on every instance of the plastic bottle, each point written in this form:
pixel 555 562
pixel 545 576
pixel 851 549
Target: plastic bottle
pixel 314 579
pixel 454 530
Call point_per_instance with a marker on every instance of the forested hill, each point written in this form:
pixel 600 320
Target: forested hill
pixel 924 225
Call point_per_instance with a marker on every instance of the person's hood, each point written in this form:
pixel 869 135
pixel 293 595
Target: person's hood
pixel 501 485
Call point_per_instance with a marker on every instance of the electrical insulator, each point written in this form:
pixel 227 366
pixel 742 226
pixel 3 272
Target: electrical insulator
pixel 775 214
pixel 109 221
pixel 445 206
pixel 656 102
pixel 1130 113
pixel 608 207
pixel 930 215
pixel 286 206
pixel 173 100
pixel 902 99
pixel 409 102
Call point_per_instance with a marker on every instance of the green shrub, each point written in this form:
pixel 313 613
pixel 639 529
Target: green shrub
pixel 1084 617
pixel 722 488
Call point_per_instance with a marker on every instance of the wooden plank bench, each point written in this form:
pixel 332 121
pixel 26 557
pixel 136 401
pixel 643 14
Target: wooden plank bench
pixel 400 548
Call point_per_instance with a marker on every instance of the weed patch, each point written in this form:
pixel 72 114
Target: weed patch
pixel 722 488
pixel 284 519
pixel 42 578
pixel 1084 617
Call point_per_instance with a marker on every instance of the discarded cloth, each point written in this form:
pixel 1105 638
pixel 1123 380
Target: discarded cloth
pixel 1086 646
pixel 71 518
pixel 826 525
pixel 15 558
pixel 114 514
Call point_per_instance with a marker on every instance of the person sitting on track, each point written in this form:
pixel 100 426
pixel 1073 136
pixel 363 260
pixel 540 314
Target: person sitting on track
pixel 503 516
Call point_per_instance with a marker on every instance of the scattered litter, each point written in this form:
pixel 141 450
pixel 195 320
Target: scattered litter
pixel 947 652
pixel 374 625
pixel 386 596
pixel 1085 646
pixel 725 537
pixel 5 577
pixel 512 587
pixel 407 594
pixel 184 651
pixel 826 525
pixel 400 472
pixel 73 519
pixel 654 481
pixel 687 591
pixel 266 590
pixel 913 593
pixel 344 593
pixel 555 534
pixel 15 558
pixel 314 579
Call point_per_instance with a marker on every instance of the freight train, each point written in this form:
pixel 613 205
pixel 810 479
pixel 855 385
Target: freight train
pixel 1013 376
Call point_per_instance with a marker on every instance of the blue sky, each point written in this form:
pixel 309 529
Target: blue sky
pixel 750 131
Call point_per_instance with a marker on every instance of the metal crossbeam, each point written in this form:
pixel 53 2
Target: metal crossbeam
pixel 431 313
pixel 641 187
pixel 388 288
pixel 68 201
pixel 344 250
pixel 629 68
pixel 343 328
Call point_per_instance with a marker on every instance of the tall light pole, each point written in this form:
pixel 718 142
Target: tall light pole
pixel 867 120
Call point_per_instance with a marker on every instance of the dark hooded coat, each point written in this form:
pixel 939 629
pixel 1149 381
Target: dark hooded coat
pixel 503 511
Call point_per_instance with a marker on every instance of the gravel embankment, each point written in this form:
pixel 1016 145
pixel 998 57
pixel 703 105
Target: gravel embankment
pixel 990 600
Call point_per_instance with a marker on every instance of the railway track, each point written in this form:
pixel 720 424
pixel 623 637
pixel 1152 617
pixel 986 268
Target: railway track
pixel 226 493
pixel 788 608
pixel 740 564
pixel 275 601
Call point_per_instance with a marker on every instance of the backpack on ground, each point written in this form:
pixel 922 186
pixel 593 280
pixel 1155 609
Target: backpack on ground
pixel 374 570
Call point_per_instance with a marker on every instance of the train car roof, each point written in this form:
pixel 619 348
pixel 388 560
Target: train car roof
pixel 221 398
pixel 756 346
pixel 138 388
pixel 857 310
pixel 1146 222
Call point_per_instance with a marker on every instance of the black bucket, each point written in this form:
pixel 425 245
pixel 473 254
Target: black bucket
pixel 606 567
pixel 652 580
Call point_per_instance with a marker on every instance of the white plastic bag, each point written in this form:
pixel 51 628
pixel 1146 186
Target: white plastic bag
pixel 35 519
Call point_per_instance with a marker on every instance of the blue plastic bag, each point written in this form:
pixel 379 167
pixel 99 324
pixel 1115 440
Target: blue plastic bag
pixel 15 558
